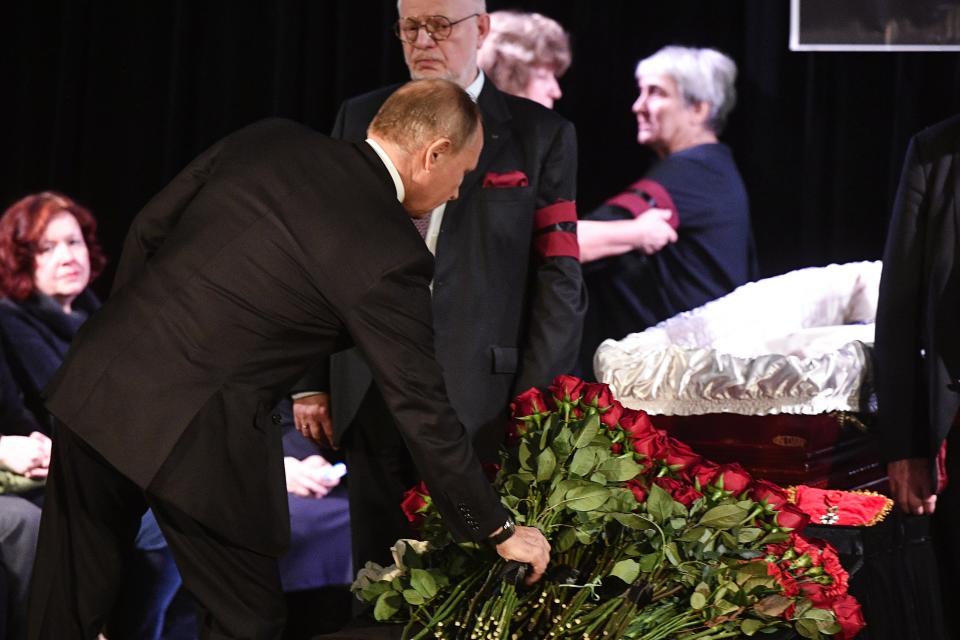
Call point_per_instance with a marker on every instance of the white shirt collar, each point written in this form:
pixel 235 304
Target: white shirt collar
pixel 391 168
pixel 476 86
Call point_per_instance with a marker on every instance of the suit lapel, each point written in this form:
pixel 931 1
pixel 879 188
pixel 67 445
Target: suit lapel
pixel 496 133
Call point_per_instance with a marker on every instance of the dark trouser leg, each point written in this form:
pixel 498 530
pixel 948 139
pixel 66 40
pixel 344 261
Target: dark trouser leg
pixel 237 590
pixel 19 523
pixel 946 533
pixel 379 473
pixel 90 517
pixel 150 582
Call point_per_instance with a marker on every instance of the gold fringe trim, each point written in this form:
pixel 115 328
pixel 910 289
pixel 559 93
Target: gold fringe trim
pixel 878 518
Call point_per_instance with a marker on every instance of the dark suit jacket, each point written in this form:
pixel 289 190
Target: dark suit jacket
pixel 272 249
pixel 508 296
pixel 918 324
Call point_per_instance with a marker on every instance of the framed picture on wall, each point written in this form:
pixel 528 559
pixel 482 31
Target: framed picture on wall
pixel 874 25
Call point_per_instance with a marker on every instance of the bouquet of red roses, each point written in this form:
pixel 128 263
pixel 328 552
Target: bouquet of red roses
pixel 650 541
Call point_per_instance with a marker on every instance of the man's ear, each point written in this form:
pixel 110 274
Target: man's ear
pixel 435 151
pixel 483 28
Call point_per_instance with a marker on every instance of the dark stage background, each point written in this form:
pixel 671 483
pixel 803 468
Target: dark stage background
pixel 105 101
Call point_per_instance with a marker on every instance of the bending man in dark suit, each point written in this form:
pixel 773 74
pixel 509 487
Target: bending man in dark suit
pixel 273 248
pixel 508 297
pixel 918 346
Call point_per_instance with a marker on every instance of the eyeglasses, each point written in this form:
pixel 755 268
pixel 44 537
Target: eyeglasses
pixel 437 27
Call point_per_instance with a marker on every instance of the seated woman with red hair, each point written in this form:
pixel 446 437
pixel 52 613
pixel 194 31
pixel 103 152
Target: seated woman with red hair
pixel 48 256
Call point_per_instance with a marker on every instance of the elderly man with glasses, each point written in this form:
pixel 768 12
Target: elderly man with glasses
pixel 508 297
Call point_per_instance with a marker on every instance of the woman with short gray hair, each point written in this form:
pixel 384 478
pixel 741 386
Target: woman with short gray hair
pixel 681 235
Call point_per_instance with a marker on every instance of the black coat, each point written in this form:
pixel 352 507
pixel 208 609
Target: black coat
pixel 918 324
pixel 507 314
pixel 275 247
pixel 35 336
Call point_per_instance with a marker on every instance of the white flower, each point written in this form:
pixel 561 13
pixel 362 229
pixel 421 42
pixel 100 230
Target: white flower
pixel 373 572
pixel 399 548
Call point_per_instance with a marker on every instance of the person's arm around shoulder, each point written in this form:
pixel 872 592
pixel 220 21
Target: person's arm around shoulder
pixel 648 233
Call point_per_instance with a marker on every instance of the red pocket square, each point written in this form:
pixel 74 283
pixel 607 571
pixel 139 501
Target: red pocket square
pixel 502 180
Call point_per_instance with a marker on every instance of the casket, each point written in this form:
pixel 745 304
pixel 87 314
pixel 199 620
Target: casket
pixel 775 376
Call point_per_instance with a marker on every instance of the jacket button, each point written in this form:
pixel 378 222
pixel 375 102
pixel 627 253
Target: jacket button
pixel 276 418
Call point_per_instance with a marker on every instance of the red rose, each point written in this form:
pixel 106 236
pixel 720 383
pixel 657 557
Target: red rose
pixel 566 388
pixel 636 423
pixel 736 480
pixel 817 593
pixel 680 455
pixel 616 448
pixel 611 416
pixel 849 616
pixel 639 491
pixel 792 518
pixel 530 402
pixel 652 446
pixel 597 395
pixel 705 472
pixel 414 503
pixel 774 494
pixel 682 492
pixel 788 585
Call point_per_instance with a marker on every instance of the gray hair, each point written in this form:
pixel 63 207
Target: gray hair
pixel 702 75
pixel 518 41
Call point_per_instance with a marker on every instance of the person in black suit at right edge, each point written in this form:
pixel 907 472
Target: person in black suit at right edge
pixel 508 296
pixel 918 347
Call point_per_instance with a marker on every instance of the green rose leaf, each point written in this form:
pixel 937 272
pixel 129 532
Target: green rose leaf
pixel 565 540
pixel 388 604
pixel 723 516
pixel 373 590
pixel 626 570
pixel 583 461
pixel 525 456
pixel 649 562
pixel 750 626
pixel 672 554
pixel 423 583
pixel 413 597
pixel 588 432
pixel 698 601
pixel 632 521
pixel 693 534
pixel 819 614
pixel 587 498
pixel 659 504
pixel 808 629
pixel 620 469
pixel 546 465
pixel 601 479
pixel 748 534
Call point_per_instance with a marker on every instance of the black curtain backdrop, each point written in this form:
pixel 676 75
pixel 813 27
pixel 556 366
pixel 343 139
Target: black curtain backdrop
pixel 106 101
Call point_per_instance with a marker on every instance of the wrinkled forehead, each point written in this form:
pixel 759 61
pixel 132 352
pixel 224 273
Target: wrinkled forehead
pixel 453 9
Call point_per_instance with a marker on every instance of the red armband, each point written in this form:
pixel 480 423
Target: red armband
pixel 555 230
pixel 646 194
